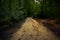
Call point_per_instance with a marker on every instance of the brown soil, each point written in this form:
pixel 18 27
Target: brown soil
pixel 33 29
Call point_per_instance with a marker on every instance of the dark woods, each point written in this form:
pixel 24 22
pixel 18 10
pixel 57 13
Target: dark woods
pixel 12 11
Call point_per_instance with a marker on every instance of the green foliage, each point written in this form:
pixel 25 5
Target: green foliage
pixel 12 11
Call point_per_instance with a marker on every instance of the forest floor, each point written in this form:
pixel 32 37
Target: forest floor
pixel 33 29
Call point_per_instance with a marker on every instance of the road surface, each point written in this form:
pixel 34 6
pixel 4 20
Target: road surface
pixel 32 30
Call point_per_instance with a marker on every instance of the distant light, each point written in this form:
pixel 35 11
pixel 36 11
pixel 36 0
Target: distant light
pixel 36 1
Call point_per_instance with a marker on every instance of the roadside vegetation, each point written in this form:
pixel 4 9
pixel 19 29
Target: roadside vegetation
pixel 13 11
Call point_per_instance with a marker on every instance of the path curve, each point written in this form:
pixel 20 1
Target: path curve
pixel 32 30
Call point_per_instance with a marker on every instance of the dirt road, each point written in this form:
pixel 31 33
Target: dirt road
pixel 32 30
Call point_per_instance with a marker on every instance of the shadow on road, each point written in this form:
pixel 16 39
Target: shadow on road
pixel 52 28
pixel 55 28
pixel 4 34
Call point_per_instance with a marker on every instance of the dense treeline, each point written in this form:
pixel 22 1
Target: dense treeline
pixel 12 11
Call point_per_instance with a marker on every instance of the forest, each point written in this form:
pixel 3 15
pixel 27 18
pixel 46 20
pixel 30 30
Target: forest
pixel 29 19
pixel 12 11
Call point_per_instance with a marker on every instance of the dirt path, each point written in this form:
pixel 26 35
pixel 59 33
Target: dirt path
pixel 32 30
